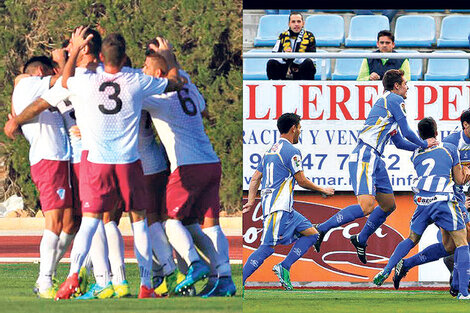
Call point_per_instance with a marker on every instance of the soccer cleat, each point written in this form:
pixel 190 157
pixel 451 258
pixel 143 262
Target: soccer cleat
pixel 162 289
pixel 98 292
pixel 224 287
pixel 462 297
pixel 36 288
pixel 283 275
pixel 83 280
pixel 453 292
pixel 380 278
pixel 145 292
pixel 68 287
pixel 400 272
pixel 210 285
pixel 188 292
pixel 172 280
pixel 360 249
pixel 321 235
pixel 55 282
pixel 49 293
pixel 197 271
pixel 122 290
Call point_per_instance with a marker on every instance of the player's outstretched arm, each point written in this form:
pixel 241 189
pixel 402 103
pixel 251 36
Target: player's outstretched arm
pixel 304 182
pixel 78 43
pixel 30 112
pixel 402 143
pixel 253 190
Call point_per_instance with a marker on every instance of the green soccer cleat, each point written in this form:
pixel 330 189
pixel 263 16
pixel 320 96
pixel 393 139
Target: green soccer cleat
pixel 83 281
pixel 173 280
pixel 122 290
pixel 98 292
pixel 49 293
pixel 380 278
pixel 283 275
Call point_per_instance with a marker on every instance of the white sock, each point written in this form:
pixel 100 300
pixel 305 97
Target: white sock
pixel 221 245
pixel 204 244
pixel 161 248
pixel 181 240
pixel 63 244
pixel 99 256
pixel 116 252
pixel 143 251
pixel 82 243
pixel 87 263
pixel 47 250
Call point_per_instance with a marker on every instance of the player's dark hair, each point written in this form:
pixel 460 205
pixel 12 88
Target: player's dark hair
pixel 386 33
pixel 37 61
pixel 94 44
pixel 465 117
pixel 391 77
pixel 128 62
pixel 296 13
pixel 427 128
pixel 286 121
pixel 114 49
pixel 149 51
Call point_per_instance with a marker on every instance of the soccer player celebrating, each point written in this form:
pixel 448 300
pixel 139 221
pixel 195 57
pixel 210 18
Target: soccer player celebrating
pixel 436 203
pixel 367 170
pixel 277 173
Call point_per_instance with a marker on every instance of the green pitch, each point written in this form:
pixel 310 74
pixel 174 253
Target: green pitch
pixel 17 280
pixel 376 301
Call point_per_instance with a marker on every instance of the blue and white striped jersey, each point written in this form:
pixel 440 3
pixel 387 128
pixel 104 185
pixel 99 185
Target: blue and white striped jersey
pixel 279 165
pixel 434 168
pixel 462 142
pixel 382 121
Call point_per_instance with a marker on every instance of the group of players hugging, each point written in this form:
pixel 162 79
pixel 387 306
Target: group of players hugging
pixel 441 169
pixel 88 117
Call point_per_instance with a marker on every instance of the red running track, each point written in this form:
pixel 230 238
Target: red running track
pixel 28 247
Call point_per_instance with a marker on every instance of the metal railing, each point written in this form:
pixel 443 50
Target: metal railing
pixel 356 55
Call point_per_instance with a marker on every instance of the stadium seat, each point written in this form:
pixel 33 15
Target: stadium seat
pixel 454 31
pixel 363 30
pixel 328 29
pixel 416 65
pixel 255 69
pixel 271 11
pixel 447 69
pixel 348 69
pixel 415 31
pixel 269 28
pixel 318 63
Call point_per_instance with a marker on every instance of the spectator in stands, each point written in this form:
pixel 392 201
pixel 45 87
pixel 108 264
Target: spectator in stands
pixel 374 69
pixel 295 39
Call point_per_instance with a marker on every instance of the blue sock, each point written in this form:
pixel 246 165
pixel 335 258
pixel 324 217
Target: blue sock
pixel 463 261
pixel 300 247
pixel 400 252
pixel 429 254
pixel 344 216
pixel 455 273
pixel 376 218
pixel 255 260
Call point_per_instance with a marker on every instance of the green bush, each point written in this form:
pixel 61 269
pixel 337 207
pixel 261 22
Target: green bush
pixel 207 38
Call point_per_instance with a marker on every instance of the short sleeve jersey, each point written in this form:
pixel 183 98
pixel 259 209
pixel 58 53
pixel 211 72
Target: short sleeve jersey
pixel 383 120
pixel 45 133
pixel 434 168
pixel 279 165
pixel 111 105
pixel 152 154
pixel 462 142
pixel 178 121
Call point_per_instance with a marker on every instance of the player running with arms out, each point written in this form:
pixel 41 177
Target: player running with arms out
pixel 436 203
pixel 369 177
pixel 277 173
pixel 112 104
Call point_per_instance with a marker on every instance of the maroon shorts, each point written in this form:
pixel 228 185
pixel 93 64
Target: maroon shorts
pixel 52 180
pixel 192 190
pixel 74 174
pixel 102 185
pixel 155 190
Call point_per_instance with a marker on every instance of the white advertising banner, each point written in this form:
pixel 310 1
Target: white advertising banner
pixel 332 114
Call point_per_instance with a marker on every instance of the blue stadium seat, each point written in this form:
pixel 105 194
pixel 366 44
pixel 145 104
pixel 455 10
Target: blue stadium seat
pixel 416 65
pixel 454 31
pixel 447 69
pixel 271 11
pixel 363 30
pixel 459 10
pixel 425 10
pixel 269 28
pixel 255 69
pixel 348 69
pixel 318 63
pixel 328 29
pixel 415 31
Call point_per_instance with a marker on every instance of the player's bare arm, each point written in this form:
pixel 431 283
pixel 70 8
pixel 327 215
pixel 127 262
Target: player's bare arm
pixel 253 190
pixel 306 183
pixel 31 111
pixel 461 174
pixel 78 42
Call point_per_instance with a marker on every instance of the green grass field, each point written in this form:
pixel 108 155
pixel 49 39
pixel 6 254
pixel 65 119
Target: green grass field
pixel 377 301
pixel 17 280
